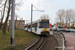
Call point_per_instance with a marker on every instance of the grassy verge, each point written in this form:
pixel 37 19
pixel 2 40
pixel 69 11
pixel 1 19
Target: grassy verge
pixel 22 38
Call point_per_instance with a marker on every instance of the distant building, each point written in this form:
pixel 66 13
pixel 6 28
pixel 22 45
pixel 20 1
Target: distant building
pixel 72 24
pixel 58 24
pixel 19 24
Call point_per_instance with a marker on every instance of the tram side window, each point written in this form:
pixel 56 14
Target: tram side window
pixel 25 26
pixel 29 26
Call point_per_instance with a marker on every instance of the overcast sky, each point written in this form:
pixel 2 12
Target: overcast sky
pixel 49 6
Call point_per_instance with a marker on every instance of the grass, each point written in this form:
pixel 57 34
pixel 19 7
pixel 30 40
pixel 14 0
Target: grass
pixel 22 38
pixel 10 48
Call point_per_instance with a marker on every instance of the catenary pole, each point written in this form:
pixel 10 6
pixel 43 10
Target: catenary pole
pixel 31 16
pixel 12 21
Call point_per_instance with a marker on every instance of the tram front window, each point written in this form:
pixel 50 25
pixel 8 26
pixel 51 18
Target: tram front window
pixel 44 25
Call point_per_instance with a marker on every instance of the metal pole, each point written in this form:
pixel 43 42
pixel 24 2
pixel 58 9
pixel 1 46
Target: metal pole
pixel 12 22
pixel 31 16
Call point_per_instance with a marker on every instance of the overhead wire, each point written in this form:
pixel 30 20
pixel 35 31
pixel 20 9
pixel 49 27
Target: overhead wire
pixel 39 3
pixel 35 7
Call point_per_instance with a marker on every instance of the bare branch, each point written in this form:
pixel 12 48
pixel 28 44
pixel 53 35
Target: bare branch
pixel 45 16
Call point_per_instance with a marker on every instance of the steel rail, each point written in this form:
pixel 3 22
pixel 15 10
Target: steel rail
pixel 41 41
pixel 32 44
pixel 42 44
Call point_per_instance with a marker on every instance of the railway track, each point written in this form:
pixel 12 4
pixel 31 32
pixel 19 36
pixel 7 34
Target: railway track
pixel 38 44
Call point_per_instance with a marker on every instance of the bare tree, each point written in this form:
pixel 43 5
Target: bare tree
pixel 66 17
pixel 3 13
pixel 45 16
pixel 5 24
pixel 73 17
pixel 8 12
pixel 60 15
pixel 69 16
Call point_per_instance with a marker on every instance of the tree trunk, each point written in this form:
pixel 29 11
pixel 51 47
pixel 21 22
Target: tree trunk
pixel 3 14
pixel 5 24
pixel 19 24
pixel 69 22
pixel 66 23
pixel 60 21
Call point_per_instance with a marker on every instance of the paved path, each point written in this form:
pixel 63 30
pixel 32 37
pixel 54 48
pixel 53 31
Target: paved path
pixel 70 43
pixel 70 37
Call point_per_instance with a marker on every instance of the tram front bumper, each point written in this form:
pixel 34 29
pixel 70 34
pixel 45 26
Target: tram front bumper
pixel 45 32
